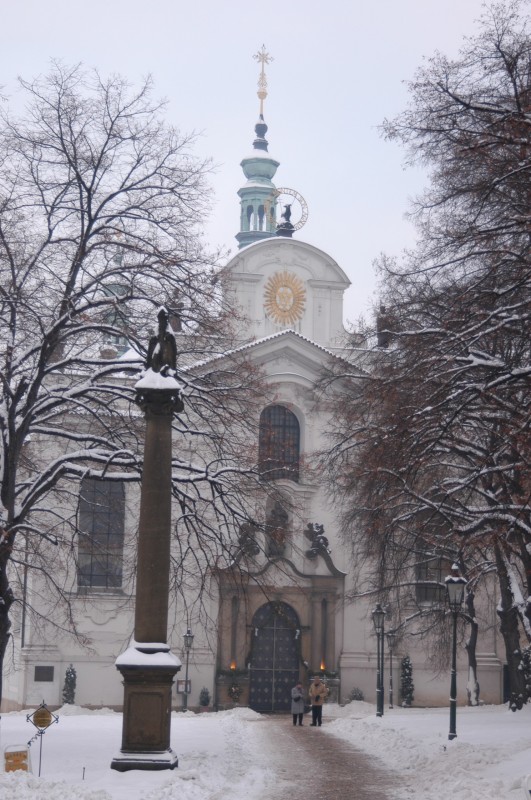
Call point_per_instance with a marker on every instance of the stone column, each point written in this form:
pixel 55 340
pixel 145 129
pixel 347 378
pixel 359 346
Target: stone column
pixel 147 666
pixel 152 572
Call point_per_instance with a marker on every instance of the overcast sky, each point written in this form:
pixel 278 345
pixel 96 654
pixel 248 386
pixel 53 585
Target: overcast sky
pixel 339 69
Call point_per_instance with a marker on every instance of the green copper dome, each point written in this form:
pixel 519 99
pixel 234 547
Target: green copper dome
pixel 258 195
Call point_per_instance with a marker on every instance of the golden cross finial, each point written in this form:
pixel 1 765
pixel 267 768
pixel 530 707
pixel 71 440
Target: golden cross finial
pixel 263 58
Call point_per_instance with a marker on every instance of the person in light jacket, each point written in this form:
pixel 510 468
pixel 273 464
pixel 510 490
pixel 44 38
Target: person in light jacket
pixel 318 694
pixel 297 703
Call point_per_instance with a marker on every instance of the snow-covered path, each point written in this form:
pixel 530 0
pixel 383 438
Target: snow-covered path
pixel 309 764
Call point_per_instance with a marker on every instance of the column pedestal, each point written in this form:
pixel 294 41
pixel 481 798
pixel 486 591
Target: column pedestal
pixel 148 680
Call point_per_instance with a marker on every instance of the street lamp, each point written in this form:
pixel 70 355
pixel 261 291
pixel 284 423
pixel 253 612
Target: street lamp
pixel 378 616
pixel 455 589
pixel 391 639
pixel 188 642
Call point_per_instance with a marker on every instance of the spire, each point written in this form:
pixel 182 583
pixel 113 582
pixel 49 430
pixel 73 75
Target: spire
pixel 263 58
pixel 258 195
pixel 260 143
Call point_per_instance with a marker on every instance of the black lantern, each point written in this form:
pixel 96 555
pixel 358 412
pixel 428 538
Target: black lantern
pixel 455 589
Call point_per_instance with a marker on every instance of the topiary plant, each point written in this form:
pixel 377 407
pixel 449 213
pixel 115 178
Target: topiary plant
pixel 69 688
pixel 406 682
pixel 204 697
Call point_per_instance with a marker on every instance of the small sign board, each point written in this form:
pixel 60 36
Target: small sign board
pixel 42 718
pixel 16 756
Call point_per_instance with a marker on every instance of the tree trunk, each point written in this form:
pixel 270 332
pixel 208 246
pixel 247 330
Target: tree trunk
pixel 509 628
pixel 6 599
pixel 472 687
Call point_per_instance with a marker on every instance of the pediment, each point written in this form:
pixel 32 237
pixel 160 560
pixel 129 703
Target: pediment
pixel 282 571
pixel 285 355
pixel 278 253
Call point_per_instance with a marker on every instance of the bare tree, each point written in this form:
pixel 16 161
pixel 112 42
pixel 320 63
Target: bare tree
pixel 440 453
pixel 101 205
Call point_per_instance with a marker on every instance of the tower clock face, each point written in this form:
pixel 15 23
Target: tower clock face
pixel 284 298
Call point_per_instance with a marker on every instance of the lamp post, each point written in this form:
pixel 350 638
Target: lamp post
pixel 391 638
pixel 378 616
pixel 188 642
pixel 455 589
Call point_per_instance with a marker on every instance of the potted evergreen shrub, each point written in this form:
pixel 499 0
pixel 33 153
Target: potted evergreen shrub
pixel 204 699
pixel 69 688
pixel 406 682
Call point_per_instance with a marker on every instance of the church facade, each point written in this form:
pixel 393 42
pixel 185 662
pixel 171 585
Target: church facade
pixel 286 608
pixel 293 614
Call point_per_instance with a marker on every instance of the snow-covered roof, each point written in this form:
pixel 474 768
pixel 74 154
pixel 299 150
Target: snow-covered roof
pixel 288 332
pixel 264 155
pixel 253 183
pixel 131 355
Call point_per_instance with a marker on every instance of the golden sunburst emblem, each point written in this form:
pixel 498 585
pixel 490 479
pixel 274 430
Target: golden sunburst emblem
pixel 284 298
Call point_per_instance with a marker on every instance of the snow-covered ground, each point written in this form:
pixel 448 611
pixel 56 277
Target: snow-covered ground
pixel 231 754
pixel 490 758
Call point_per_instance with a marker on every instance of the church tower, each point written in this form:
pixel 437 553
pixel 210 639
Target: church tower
pixel 258 195
pixel 280 283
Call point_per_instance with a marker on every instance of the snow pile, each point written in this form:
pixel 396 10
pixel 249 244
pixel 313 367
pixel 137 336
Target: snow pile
pixel 220 755
pixel 70 710
pixel 489 759
pixel 242 713
pixel 19 786
pixel 133 656
pixel 158 380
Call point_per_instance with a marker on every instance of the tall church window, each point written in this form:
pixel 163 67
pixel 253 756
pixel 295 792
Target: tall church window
pixel 101 534
pixel 279 443
pixel 430 573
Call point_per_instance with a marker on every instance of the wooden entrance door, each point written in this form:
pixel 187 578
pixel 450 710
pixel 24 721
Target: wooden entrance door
pixel 274 657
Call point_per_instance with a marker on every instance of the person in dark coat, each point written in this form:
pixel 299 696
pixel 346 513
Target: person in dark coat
pixel 297 703
pixel 318 694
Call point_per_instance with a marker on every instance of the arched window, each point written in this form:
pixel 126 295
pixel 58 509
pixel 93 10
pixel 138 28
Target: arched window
pixel 250 212
pixel 279 443
pixel 101 533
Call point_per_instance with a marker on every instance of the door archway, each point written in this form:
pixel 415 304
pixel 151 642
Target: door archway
pixel 274 657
